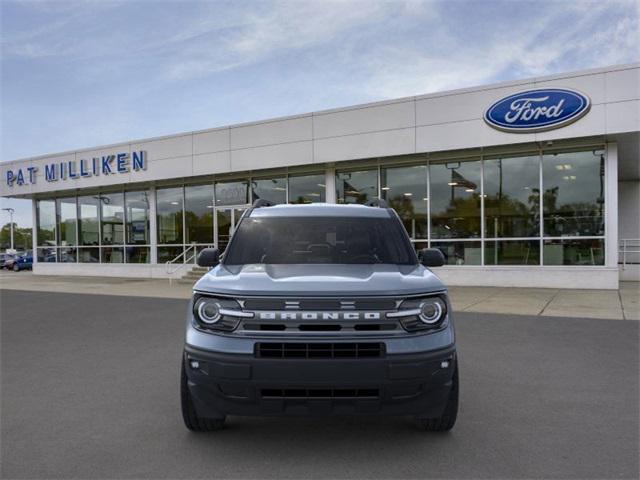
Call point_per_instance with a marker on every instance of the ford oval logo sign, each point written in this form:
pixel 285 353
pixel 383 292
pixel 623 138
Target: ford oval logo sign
pixel 537 110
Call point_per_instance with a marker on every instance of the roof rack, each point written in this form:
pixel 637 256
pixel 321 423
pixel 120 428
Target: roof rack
pixel 377 202
pixel 261 202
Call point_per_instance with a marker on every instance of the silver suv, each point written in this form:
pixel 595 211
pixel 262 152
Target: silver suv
pixel 319 310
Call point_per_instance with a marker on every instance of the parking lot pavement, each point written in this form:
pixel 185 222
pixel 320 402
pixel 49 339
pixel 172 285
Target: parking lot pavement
pixel 90 390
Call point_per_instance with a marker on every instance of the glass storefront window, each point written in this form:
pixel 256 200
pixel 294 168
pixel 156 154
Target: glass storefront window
pixel 88 227
pixel 460 253
pixel 47 254
pixel 67 220
pixel 271 189
pixel 357 187
pixel 89 255
pixel 232 193
pixel 405 190
pixel 46 218
pixel 137 218
pixel 137 254
pixel 573 198
pixel 198 213
pixel 112 255
pixel 67 254
pixel 512 252
pixel 166 254
pixel 573 252
pixel 455 199
pixel 512 197
pixel 169 208
pixel 307 188
pixel 112 218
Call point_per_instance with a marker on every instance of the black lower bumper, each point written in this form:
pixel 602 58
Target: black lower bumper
pixel 229 384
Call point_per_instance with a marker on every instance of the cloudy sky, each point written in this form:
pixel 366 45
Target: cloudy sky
pixel 80 74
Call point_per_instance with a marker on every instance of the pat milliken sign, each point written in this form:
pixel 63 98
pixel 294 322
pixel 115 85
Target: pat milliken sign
pixel 115 164
pixel 537 110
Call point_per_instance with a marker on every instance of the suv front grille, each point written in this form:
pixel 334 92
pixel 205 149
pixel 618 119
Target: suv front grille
pixel 319 350
pixel 320 393
pixel 320 304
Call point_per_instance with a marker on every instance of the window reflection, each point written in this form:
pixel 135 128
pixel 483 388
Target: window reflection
pixel 512 197
pixel 574 252
pixel 67 213
pixel 455 199
pixel 112 216
pixel 88 228
pixel 573 198
pixel 460 253
pixel 307 188
pixel 271 189
pixel 169 207
pixel 512 252
pixel 198 213
pixel 137 217
pixel 46 218
pixel 232 193
pixel 405 190
pixel 357 187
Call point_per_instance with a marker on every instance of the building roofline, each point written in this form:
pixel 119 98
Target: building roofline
pixel 444 93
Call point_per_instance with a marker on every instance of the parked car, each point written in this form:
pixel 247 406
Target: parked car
pixel 23 262
pixel 7 262
pixel 319 310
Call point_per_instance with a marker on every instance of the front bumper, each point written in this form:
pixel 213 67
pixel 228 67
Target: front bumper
pixel 394 384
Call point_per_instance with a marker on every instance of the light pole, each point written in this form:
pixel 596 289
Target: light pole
pixel 11 212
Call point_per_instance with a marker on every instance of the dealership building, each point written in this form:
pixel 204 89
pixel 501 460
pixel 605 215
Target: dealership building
pixel 529 183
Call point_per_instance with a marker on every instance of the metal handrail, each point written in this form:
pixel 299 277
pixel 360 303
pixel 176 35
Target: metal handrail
pixel 628 245
pixel 185 261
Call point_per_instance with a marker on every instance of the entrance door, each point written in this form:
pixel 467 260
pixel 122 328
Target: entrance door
pixel 227 219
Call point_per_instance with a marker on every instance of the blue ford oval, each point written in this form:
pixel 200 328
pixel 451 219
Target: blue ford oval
pixel 537 110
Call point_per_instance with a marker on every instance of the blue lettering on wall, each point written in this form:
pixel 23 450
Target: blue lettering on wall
pixel 122 163
pixel 75 169
pixel 106 164
pixel 83 168
pixel 139 160
pixel 51 173
pixel 32 174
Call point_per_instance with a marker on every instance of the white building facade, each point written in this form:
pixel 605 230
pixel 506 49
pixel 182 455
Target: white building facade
pixel 531 183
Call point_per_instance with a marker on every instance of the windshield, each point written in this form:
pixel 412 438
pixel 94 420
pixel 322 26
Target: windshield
pixel 302 240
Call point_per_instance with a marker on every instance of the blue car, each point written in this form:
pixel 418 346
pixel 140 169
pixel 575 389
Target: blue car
pixel 23 262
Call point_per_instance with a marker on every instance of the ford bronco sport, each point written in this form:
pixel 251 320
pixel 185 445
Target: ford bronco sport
pixel 319 310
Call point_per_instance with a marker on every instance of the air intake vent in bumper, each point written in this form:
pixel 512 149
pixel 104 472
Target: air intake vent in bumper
pixel 320 393
pixel 319 350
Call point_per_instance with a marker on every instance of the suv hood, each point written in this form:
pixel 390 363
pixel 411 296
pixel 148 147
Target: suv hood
pixel 317 279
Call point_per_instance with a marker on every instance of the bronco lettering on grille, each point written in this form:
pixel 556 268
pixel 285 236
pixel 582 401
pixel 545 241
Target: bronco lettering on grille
pixel 319 315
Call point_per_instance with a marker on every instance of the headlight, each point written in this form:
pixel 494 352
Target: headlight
pixel 431 311
pixel 208 310
pixel 213 313
pixel 421 313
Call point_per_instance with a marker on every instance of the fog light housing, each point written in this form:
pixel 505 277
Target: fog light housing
pixel 194 364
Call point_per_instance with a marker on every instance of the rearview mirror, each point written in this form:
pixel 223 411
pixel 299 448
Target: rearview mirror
pixel 208 257
pixel 431 257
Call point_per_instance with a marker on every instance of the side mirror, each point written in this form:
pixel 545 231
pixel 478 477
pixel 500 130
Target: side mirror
pixel 208 257
pixel 431 257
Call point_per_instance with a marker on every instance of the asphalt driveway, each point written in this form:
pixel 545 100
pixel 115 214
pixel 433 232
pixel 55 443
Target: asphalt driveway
pixel 90 390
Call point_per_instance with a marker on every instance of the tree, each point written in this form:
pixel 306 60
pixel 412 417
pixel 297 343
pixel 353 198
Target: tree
pixel 21 237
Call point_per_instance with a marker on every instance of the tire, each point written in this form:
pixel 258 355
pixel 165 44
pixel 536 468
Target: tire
pixel 447 420
pixel 191 419
pixel 16 268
